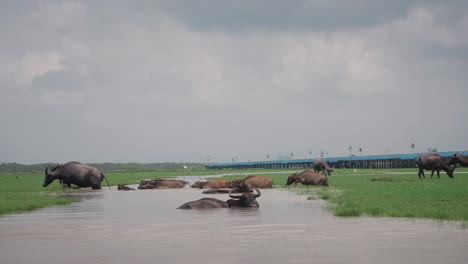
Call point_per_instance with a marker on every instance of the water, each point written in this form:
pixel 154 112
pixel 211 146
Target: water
pixel 143 226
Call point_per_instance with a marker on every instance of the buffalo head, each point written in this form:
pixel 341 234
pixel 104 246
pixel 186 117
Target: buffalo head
pixel 197 184
pixel 244 200
pixel 291 179
pixel 50 175
pixel 450 171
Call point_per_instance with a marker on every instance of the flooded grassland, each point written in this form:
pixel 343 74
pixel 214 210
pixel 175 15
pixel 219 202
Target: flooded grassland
pixel 143 226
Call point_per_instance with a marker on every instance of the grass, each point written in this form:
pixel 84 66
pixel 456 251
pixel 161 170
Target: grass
pixel 22 192
pixel 388 193
pixel 378 193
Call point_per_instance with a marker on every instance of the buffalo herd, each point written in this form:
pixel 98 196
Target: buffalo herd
pixel 84 175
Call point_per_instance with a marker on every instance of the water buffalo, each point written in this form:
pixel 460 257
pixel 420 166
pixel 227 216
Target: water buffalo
pixel 240 187
pixel 242 200
pixel 433 162
pixel 308 177
pixel 81 175
pixel 162 184
pixel 216 191
pixel 258 181
pixel 458 158
pixel 123 187
pixel 321 165
pixel 251 181
pixel 215 184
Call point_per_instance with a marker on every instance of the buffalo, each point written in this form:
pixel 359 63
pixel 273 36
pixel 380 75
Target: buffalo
pixel 458 158
pixel 251 181
pixel 216 191
pixel 434 162
pixel 240 187
pixel 321 165
pixel 308 177
pixel 214 184
pixel 81 175
pixel 123 187
pixel 258 181
pixel 162 184
pixel 241 200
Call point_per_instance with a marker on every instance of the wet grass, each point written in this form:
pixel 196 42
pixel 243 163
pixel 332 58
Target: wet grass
pixel 379 193
pixel 22 192
pixel 389 193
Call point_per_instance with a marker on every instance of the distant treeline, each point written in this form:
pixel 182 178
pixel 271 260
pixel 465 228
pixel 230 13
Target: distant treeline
pixel 165 166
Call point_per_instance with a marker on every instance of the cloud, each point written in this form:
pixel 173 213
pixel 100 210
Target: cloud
pixel 174 81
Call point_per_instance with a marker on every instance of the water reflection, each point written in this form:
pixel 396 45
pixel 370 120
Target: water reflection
pixel 143 226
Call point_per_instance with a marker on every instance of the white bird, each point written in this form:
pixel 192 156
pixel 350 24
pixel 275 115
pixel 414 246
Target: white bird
pixel 354 169
pixel 185 167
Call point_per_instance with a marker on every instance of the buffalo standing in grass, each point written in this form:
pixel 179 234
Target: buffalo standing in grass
pixel 434 162
pixel 242 200
pixel 308 177
pixel 321 165
pixel 458 158
pixel 81 175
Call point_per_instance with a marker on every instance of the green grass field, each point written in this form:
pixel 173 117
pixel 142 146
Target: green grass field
pixel 389 192
pixel 21 192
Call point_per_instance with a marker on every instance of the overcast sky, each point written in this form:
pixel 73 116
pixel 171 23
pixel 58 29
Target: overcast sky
pixel 188 81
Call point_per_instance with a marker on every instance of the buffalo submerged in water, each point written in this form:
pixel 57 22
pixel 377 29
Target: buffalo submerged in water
pixel 79 174
pixel 242 200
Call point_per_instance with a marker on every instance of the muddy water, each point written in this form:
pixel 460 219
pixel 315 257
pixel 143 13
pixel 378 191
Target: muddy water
pixel 143 226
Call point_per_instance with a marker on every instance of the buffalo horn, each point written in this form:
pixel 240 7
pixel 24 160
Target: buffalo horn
pixel 46 172
pixel 235 196
pixel 258 192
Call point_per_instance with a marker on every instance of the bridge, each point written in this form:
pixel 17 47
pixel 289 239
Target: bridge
pixel 372 161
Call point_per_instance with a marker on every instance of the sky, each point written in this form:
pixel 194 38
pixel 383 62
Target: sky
pixel 217 81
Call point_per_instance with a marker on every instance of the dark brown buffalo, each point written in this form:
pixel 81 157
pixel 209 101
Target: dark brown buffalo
pixel 216 191
pixel 162 184
pixel 79 174
pixel 308 177
pixel 123 187
pixel 433 162
pixel 321 165
pixel 241 187
pixel 214 184
pixel 242 200
pixel 204 203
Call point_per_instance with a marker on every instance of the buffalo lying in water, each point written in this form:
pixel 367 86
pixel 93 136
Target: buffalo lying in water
pixel 123 187
pixel 79 174
pixel 308 177
pixel 321 165
pixel 252 181
pixel 435 162
pixel 216 191
pixel 258 181
pixel 162 184
pixel 241 200
pixel 215 184
pixel 240 187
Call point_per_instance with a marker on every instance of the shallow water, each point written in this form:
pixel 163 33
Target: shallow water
pixel 143 226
